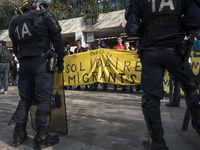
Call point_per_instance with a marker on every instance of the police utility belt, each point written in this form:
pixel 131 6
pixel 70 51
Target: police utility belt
pixel 184 49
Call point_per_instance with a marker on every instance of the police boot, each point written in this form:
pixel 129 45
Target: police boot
pixel 158 142
pixel 196 119
pixel 19 134
pixel 43 139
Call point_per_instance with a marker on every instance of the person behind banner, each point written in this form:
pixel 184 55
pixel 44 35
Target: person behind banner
pixel 94 87
pixel 161 25
pixel 68 52
pixel 126 47
pixel 31 34
pixel 119 46
pixel 103 45
pixel 80 49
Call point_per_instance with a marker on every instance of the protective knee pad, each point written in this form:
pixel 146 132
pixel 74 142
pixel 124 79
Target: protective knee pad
pixel 151 111
pixel 43 118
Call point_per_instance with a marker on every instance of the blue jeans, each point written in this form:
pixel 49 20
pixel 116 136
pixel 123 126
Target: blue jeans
pixel 4 70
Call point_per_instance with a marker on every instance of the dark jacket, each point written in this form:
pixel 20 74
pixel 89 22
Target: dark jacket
pixel 79 50
pixel 190 21
pixel 41 29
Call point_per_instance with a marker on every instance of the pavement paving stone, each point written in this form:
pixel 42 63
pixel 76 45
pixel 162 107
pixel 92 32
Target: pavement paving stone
pixel 102 121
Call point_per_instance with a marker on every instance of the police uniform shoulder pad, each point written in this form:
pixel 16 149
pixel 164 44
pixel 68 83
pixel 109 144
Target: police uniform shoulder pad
pixel 51 22
pixel 14 18
pixel 128 9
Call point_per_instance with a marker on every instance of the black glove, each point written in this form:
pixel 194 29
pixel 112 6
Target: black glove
pixel 60 65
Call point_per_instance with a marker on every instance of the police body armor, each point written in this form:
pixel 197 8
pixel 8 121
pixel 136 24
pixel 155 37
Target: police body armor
pixel 23 31
pixel 160 20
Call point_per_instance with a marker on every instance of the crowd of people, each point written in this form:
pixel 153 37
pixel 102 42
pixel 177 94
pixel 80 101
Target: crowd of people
pixel 101 44
pixel 10 71
pixel 9 74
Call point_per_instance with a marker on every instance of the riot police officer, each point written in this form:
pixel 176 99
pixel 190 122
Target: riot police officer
pixel 31 34
pixel 161 24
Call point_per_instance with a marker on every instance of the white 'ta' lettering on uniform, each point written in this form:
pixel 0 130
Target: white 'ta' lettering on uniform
pixel 25 30
pixel 168 3
pixel 163 4
pixel 17 30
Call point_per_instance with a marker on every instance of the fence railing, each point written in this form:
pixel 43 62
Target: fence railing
pixel 99 7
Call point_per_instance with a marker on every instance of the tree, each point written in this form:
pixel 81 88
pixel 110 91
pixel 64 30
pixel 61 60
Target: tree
pixel 9 8
pixel 62 9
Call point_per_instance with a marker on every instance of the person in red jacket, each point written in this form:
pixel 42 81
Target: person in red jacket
pixel 119 45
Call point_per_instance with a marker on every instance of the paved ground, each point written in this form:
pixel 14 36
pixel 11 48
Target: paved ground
pixel 102 121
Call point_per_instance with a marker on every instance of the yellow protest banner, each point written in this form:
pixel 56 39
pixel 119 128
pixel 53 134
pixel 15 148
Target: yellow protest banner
pixel 102 65
pixel 195 62
pixel 110 66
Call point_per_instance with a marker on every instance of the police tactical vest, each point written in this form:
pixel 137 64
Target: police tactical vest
pixel 161 19
pixel 29 42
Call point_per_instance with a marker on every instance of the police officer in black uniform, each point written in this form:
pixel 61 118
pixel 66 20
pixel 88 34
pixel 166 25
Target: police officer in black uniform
pixel 31 34
pixel 161 24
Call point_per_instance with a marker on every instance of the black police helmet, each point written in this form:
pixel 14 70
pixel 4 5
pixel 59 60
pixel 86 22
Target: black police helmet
pixel 45 4
pixel 32 4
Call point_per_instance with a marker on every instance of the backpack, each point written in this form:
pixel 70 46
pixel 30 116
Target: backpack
pixel 5 55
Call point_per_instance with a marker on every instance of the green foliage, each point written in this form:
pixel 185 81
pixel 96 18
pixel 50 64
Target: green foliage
pixel 94 18
pixel 92 12
pixel 9 8
pixel 62 9
pixel 3 24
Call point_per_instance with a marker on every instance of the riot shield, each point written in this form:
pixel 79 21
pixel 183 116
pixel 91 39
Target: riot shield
pixel 58 119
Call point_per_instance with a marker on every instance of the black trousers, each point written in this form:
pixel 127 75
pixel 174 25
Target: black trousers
pixel 35 86
pixel 154 64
